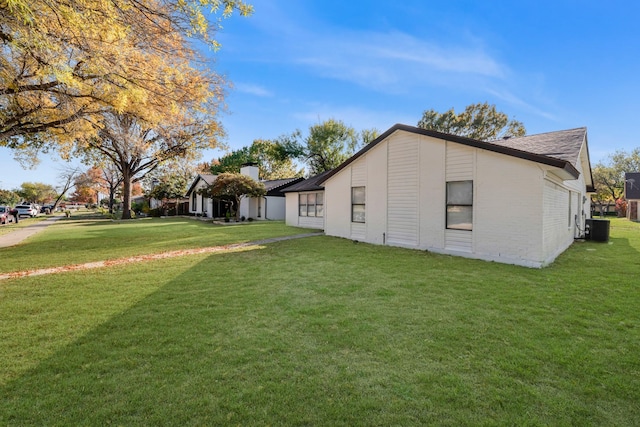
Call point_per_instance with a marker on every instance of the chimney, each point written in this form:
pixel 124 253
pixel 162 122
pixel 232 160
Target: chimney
pixel 251 170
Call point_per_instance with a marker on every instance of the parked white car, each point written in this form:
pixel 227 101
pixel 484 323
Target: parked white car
pixel 27 210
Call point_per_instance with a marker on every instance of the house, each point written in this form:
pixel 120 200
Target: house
pixel 201 205
pixel 632 195
pixel 305 203
pixel 270 206
pixel 519 200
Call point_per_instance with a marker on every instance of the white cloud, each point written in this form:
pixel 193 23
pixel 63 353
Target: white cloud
pixel 252 89
pixel 392 61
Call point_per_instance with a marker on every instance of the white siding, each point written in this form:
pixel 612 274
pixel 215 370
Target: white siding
pixel 403 188
pixel 556 228
pixel 337 204
pixel 359 179
pixel 520 208
pixel 459 167
pixel 459 162
pixel 508 209
pixel 292 216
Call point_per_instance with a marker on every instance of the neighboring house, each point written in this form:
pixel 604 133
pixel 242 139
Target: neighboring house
pixel 305 203
pixel 200 205
pixel 270 206
pixel 518 201
pixel 632 195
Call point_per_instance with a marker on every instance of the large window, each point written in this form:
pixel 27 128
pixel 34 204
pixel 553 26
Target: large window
pixel 460 205
pixel 311 204
pixel 194 201
pixel 358 197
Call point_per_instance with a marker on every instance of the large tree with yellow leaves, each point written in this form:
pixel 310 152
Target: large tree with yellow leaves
pixel 64 63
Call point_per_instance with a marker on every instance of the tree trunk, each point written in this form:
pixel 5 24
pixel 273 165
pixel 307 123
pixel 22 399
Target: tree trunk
pixel 126 193
pixel 238 209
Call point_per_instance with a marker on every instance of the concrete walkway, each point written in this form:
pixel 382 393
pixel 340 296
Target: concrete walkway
pixel 17 236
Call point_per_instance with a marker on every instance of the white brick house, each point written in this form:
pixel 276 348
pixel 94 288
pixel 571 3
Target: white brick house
pixel 518 201
pixel 271 206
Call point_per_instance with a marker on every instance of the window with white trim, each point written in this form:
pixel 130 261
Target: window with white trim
pixel 460 205
pixel 194 201
pixel 358 198
pixel 311 204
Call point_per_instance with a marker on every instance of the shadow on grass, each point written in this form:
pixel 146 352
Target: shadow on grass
pixel 324 331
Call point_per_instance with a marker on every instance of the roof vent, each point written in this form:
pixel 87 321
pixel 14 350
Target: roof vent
pixel 506 137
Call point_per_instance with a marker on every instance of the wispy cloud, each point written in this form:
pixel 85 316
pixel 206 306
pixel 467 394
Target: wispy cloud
pixel 382 59
pixel 253 89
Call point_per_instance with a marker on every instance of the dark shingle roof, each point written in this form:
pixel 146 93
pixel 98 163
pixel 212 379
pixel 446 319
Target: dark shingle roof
pixel 309 184
pixel 276 186
pixel 206 177
pixel 564 145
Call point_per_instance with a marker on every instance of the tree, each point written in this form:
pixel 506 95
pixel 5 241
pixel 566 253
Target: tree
pixel 170 187
pixel 233 186
pixel 274 158
pixel 608 178
pixel 232 162
pixel 368 135
pixel 135 147
pixel 478 121
pixel 8 197
pixel 68 178
pixel 36 192
pixel 64 63
pixel 328 145
pixel 87 186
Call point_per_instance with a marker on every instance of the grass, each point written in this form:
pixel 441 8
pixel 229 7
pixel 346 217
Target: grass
pixel 88 237
pixel 324 331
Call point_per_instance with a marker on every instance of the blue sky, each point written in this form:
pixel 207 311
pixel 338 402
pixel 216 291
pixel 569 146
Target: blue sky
pixel 552 65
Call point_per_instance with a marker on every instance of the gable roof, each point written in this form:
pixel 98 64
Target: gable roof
pixel 309 184
pixel 564 144
pixel 275 187
pixel 565 155
pixel 206 177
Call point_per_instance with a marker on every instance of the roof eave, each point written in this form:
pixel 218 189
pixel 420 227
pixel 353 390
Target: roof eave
pixel 551 161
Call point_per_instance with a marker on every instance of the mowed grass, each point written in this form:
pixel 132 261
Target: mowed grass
pixel 325 331
pixel 85 238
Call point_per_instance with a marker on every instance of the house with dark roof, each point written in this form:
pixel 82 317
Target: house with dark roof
pixel 519 200
pixel 305 203
pixel 632 195
pixel 270 206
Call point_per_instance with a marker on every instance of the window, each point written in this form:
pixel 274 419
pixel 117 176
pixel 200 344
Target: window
pixel 358 197
pixel 460 205
pixel 194 201
pixel 204 204
pixel 311 204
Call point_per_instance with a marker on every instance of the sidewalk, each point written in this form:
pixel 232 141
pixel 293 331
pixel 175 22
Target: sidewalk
pixel 17 236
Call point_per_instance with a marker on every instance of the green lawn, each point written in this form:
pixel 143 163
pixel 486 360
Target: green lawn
pixel 85 238
pixel 325 331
